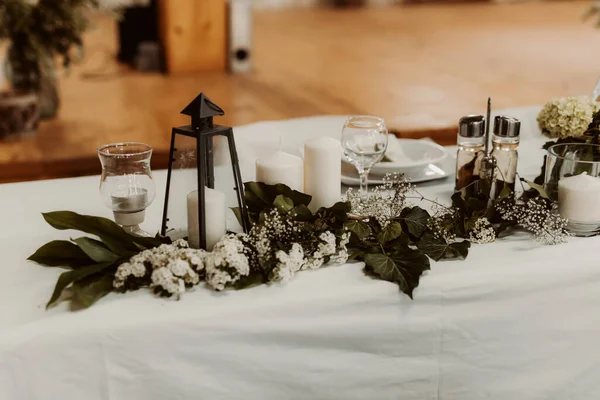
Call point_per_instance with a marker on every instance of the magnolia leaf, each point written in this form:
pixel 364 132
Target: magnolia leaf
pixel 403 267
pixel 283 204
pixel 359 228
pixel 438 249
pixel 115 237
pixel 538 188
pixel 61 253
pixel 96 250
pixel 67 278
pixel 390 232
pixel 85 294
pixel 414 221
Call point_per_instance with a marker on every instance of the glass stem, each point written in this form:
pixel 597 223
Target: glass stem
pixel 364 174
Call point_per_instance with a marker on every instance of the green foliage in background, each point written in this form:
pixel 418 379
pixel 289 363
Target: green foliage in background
pixel 38 33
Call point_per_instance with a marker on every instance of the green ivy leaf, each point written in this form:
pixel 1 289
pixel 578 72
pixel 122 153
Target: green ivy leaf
pixel 302 213
pixel 61 253
pixel 438 249
pixel 69 277
pixel 96 250
pixel 505 193
pixel 390 232
pixel 538 188
pixel 85 294
pixel 283 204
pixel 297 197
pixel 403 267
pixel 414 221
pixel 359 228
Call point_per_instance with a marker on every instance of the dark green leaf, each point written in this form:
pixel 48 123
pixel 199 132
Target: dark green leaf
pixel 539 188
pixel 61 253
pixel 283 204
pixel 438 249
pixel 67 278
pixel 96 250
pixel 390 232
pixel 505 193
pixel 359 228
pixel 238 214
pixel 302 213
pixel 85 294
pixel 254 279
pixel 117 240
pixel 297 197
pixel 259 190
pixel 403 267
pixel 414 221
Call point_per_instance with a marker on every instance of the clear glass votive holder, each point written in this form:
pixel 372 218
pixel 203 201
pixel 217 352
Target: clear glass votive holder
pixel 572 181
pixel 126 183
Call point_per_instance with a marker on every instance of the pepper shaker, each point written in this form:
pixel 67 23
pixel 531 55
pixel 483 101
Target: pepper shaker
pixel 505 142
pixel 471 141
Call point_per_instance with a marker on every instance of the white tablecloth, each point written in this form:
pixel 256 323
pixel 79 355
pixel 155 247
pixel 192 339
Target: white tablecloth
pixel 516 320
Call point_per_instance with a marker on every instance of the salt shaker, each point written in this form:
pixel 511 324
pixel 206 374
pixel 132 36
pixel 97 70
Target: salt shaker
pixel 471 141
pixel 505 142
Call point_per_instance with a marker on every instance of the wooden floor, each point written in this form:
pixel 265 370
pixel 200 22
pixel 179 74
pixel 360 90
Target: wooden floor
pixel 419 67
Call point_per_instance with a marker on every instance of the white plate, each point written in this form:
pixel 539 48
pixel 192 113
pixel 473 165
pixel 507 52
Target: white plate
pixel 409 154
pixel 421 174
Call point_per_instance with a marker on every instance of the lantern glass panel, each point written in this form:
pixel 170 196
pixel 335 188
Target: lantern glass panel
pixel 184 180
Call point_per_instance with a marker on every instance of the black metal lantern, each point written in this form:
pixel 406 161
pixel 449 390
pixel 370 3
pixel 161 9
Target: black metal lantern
pixel 191 159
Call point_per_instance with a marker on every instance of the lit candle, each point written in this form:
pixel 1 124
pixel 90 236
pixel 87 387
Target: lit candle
pixel 579 198
pixel 322 172
pixel 281 168
pixel 214 211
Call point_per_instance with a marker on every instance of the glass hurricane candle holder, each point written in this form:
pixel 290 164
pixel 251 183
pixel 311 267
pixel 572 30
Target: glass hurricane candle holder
pixel 572 182
pixel 126 184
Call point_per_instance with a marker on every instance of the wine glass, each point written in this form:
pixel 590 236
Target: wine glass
pixel 364 140
pixel 126 184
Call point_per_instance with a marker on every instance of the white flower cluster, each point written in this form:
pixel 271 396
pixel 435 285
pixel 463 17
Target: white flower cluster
pixel 167 268
pixel 227 263
pixel 385 202
pixel 547 226
pixel 328 252
pixel 567 116
pixel 483 232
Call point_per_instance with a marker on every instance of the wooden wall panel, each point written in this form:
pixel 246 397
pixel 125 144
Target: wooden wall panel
pixel 194 35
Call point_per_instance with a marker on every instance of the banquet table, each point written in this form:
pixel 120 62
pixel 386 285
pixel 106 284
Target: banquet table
pixel 515 320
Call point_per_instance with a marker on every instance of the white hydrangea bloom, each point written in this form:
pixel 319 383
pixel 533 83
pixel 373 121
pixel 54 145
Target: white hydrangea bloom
pixel 227 263
pixel 289 263
pixel 328 246
pixel 162 277
pixel 567 116
pixel 176 259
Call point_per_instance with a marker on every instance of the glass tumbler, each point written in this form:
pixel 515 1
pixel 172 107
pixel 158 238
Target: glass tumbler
pixel 572 181
pixel 364 140
pixel 126 184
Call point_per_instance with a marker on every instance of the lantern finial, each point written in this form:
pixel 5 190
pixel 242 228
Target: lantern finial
pixel 202 111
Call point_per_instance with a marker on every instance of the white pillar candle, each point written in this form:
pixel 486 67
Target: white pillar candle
pixel 323 172
pixel 216 225
pixel 281 168
pixel 579 198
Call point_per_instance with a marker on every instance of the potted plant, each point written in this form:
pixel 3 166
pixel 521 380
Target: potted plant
pixel 39 34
